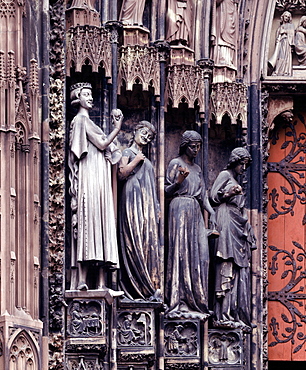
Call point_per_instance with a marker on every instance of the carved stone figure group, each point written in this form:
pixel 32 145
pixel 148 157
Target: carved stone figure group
pixel 94 241
pixel 288 40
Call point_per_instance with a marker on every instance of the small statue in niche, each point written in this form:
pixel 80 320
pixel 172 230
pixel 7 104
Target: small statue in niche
pixel 281 60
pixel 132 12
pixel 225 33
pixel 300 41
pixel 91 155
pixel 186 287
pixel 139 218
pixel 179 20
pixel 233 247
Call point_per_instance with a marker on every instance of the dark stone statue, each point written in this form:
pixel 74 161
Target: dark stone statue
pixel 91 155
pixel 233 247
pixel 186 280
pixel 139 217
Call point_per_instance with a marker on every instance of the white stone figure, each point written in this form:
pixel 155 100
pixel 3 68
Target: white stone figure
pixel 91 156
pixel 281 60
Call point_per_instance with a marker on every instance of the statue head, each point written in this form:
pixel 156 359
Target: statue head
pixel 75 91
pixel 237 156
pixel 149 134
pixel 187 137
pixel 302 22
pixel 286 17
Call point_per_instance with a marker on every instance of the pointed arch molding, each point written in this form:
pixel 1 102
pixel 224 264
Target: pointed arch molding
pixel 89 44
pixel 24 350
pixel 139 65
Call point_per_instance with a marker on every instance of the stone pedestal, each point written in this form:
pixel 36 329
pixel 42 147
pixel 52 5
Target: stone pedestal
pixel 87 328
pixel 180 54
pixel 224 74
pixel 137 336
pixel 135 35
pixel 81 17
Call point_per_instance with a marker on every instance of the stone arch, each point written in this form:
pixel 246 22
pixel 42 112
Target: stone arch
pixel 23 352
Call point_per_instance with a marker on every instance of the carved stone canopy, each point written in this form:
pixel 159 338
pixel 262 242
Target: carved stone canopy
pixel 139 65
pixel 185 84
pixel 89 44
pixel 231 99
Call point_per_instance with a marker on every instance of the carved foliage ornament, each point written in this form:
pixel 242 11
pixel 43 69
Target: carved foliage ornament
pixel 185 84
pixel 89 44
pixel 283 5
pixel 56 184
pixel 231 99
pixel 139 65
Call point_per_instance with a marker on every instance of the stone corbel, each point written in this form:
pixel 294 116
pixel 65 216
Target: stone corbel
pixel 229 98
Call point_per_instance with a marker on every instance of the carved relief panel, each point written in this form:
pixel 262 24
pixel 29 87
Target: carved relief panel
pixel 225 348
pixel 136 330
pixel 86 319
pixel 182 339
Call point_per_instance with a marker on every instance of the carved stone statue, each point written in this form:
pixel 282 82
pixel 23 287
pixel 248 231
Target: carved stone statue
pixel 281 60
pixel 139 217
pixel 132 12
pixel 186 280
pixel 179 20
pixel 84 4
pixel 91 155
pixel 300 41
pixel 225 33
pixel 233 247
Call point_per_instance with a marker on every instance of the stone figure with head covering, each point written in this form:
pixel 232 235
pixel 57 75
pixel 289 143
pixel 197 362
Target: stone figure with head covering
pixel 233 247
pixel 186 280
pixel 300 41
pixel 91 155
pixel 139 219
pixel 281 60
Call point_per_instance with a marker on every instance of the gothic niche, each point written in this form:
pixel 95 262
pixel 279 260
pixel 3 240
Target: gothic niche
pixel 86 319
pixel 181 339
pixel 135 329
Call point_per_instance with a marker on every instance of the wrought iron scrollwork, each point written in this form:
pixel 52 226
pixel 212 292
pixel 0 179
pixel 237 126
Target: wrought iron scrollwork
pixel 291 296
pixel 292 167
